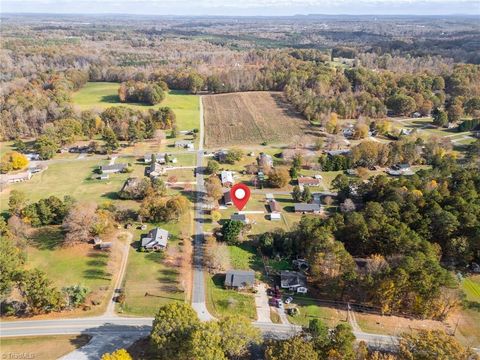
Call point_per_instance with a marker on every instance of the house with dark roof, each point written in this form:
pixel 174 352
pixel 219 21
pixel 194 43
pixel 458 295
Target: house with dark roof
pixel 293 281
pixel 156 239
pixel 239 217
pixel 307 208
pixel 239 279
pixel 274 206
pixel 111 169
pixel 227 198
pixel 221 155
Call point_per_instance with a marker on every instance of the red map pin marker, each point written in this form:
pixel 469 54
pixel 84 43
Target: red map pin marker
pixel 240 194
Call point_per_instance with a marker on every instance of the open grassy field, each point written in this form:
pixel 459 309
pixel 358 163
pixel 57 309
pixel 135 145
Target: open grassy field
pixel 248 118
pixel 67 265
pixel 100 95
pixel 72 178
pixel 40 347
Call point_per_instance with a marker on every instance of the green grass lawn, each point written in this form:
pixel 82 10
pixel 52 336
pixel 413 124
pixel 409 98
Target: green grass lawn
pixel 244 257
pixel 471 288
pixel 67 265
pixel 309 309
pixel 72 178
pixel 148 272
pixel 101 95
pixel 222 302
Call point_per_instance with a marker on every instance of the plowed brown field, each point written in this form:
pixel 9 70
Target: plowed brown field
pixel 250 118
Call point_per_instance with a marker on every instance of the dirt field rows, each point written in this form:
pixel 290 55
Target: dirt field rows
pixel 250 118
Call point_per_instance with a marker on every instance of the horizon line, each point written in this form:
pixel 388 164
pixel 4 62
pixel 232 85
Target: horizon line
pixel 235 16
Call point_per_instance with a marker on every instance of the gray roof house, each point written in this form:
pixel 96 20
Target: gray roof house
pixel 293 280
pixel 156 239
pixel 115 168
pixel 239 279
pixel 239 217
pixel 307 208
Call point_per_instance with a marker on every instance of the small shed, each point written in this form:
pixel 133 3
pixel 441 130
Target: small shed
pixel 275 216
pixel 104 246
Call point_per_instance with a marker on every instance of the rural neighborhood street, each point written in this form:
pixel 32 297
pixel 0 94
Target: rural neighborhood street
pixel 198 287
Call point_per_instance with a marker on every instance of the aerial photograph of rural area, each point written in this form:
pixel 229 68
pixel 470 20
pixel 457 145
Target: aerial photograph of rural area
pixel 240 180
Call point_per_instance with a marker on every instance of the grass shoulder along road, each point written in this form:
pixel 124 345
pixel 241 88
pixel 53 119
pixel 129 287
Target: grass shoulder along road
pixel 41 347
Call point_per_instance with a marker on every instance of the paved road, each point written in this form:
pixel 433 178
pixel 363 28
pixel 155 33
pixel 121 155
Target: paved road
pixel 198 289
pixel 130 329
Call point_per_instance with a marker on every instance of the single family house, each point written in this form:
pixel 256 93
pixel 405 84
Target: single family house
pixel 307 208
pixel 112 169
pixel 227 178
pixel 155 240
pixel 239 217
pixel 239 279
pixel 293 281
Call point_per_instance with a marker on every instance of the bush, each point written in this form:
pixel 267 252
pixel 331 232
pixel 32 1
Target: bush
pixel 76 295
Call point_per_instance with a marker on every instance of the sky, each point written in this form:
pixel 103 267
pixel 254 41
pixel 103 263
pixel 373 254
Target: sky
pixel 245 7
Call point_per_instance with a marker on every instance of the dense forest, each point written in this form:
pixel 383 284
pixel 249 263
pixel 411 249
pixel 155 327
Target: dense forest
pixel 353 74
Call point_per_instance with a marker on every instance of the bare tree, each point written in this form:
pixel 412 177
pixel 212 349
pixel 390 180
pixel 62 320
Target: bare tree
pixel 79 222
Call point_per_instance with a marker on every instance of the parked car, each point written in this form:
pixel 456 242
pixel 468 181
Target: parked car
pixel 288 300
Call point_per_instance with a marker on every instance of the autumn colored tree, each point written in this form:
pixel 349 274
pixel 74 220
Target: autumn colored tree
pixel 431 344
pixel 172 329
pixel 13 161
pixel 279 177
pixel 213 186
pixel 295 348
pixel 120 354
